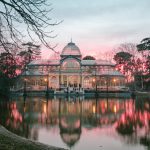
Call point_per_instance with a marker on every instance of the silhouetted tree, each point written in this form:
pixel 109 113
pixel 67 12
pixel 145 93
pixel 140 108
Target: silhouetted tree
pixel 30 52
pixel 88 58
pixel 8 65
pixel 8 72
pixel 32 14
pixel 4 85
pixel 147 65
pixel 122 57
pixel 127 47
pixel 144 45
pixel 144 49
pixel 124 62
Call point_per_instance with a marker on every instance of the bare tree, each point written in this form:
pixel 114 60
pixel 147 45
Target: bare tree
pixel 33 14
pixel 129 48
pixel 108 55
pixel 29 53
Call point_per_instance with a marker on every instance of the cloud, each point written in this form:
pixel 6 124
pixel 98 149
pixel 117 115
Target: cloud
pixel 100 24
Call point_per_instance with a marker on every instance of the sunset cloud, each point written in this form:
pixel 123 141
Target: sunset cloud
pixel 100 25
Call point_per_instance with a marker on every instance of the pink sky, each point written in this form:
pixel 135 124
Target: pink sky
pixel 99 26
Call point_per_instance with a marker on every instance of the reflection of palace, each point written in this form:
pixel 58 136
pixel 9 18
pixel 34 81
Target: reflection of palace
pixel 70 122
pixel 72 116
pixel 72 72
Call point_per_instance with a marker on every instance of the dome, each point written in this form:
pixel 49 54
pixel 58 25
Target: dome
pixel 71 49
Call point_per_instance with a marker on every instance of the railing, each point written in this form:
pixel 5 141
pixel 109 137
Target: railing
pixel 113 88
pixel 30 88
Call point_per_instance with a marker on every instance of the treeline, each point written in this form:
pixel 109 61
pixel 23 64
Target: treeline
pixel 133 60
pixel 13 60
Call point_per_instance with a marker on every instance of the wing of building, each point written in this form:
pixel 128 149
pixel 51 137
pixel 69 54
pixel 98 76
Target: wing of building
pixel 72 72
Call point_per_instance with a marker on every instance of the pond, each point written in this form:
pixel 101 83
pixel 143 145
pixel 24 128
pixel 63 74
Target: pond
pixel 80 124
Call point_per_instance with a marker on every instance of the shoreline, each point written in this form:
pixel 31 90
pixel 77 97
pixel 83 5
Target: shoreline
pixel 11 141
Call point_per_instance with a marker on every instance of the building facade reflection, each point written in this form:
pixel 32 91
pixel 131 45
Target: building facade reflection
pixel 71 116
pixel 70 121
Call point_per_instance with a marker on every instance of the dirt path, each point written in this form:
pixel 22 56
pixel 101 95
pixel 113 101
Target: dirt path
pixel 10 141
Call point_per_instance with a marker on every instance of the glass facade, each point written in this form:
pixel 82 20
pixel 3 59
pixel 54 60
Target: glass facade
pixel 73 73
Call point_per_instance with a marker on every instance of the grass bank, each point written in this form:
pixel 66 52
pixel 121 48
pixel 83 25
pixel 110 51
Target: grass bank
pixel 10 141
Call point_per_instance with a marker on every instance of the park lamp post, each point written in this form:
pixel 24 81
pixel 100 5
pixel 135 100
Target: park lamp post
pixel 25 83
pixel 95 83
pixel 114 80
pixel 107 83
pixel 46 80
pixel 94 80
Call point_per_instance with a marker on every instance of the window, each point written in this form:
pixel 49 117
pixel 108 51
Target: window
pixel 86 82
pixel 70 65
pixel 53 82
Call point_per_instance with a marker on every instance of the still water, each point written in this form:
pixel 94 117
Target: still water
pixel 80 124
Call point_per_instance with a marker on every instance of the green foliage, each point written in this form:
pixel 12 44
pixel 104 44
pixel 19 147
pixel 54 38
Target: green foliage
pixel 147 65
pixel 137 68
pixel 88 58
pixel 124 62
pixel 29 53
pixel 121 57
pixel 144 45
pixel 8 64
pixel 5 84
pixel 125 129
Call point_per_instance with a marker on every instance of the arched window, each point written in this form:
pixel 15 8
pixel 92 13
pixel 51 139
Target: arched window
pixel 70 64
pixel 53 82
pixel 86 82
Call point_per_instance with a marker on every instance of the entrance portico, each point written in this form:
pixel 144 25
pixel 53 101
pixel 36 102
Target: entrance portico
pixel 70 80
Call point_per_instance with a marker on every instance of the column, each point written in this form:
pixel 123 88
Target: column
pixel 67 80
pixel 81 76
pixel 59 76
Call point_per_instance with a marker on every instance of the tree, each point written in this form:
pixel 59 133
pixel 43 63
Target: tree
pixel 128 53
pixel 129 48
pixel 8 72
pixel 106 55
pixel 147 73
pixel 147 65
pixel 88 58
pixel 144 45
pixel 124 63
pixel 8 65
pixel 33 14
pixel 132 68
pixel 4 85
pixel 121 57
pixel 30 52
pixel 144 48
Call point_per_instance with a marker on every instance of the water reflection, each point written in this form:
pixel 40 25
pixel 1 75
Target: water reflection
pixel 128 120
